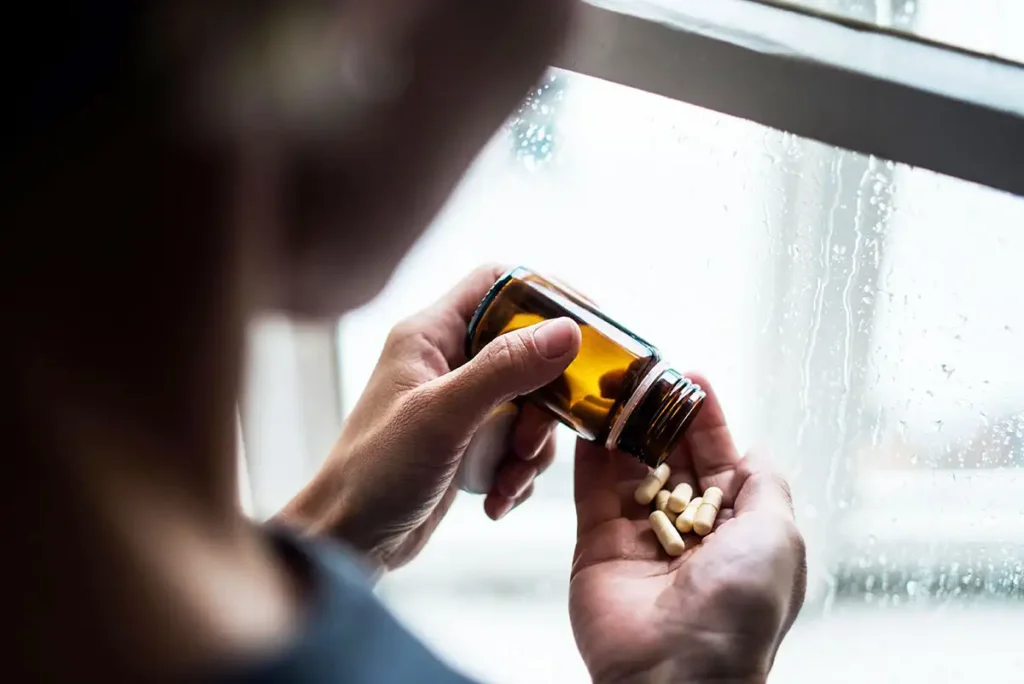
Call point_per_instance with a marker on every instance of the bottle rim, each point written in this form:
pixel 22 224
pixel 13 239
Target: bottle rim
pixel 485 303
pixel 687 393
pixel 634 400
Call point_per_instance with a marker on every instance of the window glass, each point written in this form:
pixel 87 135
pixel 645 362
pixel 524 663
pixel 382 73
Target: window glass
pixel 986 26
pixel 861 320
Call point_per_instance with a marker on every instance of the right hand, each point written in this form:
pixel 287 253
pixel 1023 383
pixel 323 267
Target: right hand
pixel 717 613
pixel 390 477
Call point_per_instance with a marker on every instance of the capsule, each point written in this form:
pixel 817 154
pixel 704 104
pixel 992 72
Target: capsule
pixel 661 504
pixel 704 521
pixel 666 533
pixel 654 481
pixel 680 497
pixel 684 523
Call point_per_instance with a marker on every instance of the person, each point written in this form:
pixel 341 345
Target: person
pixel 168 186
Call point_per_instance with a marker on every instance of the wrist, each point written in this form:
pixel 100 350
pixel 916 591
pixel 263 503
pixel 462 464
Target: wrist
pixel 701 661
pixel 669 674
pixel 321 510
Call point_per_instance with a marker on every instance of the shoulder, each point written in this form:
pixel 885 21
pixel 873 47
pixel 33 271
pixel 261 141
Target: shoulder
pixel 348 635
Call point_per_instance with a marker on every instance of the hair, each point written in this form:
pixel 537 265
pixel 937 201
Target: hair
pixel 118 245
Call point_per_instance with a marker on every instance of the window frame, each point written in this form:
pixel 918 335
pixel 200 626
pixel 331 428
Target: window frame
pixel 839 81
pixel 290 413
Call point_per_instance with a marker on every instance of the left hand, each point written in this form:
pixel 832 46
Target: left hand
pixel 389 479
pixel 717 613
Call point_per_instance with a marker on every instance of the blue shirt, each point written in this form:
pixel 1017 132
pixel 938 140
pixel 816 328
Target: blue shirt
pixel 349 636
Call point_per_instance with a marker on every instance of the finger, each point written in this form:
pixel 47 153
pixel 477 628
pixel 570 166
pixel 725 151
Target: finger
pixel 511 365
pixel 449 317
pixel 515 475
pixel 766 504
pixel 709 443
pixel 464 298
pixel 522 498
pixel 497 507
pixel 532 431
pixel 444 323
pixel 762 490
pixel 596 484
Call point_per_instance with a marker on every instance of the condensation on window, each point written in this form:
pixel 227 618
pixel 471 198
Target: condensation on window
pixel 862 322
pixel 985 26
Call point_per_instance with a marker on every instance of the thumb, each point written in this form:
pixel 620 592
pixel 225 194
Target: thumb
pixel 766 502
pixel 762 488
pixel 512 364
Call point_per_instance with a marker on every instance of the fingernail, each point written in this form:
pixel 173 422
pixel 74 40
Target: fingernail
pixel 555 339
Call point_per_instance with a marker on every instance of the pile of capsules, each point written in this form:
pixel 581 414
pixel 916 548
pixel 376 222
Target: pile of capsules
pixel 676 512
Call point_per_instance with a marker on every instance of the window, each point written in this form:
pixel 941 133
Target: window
pixel 859 317
pixel 862 318
pixel 970 24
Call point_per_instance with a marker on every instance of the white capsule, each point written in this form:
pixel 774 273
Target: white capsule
pixel 651 484
pixel 684 523
pixel 666 533
pixel 661 504
pixel 704 521
pixel 680 497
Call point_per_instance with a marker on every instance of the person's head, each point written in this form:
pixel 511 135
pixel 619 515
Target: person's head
pixel 181 166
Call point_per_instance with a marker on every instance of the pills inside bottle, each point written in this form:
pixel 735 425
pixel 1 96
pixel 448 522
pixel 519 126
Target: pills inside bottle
pixel 618 390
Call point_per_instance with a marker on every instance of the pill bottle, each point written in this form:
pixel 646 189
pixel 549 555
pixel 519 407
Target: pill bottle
pixel 618 391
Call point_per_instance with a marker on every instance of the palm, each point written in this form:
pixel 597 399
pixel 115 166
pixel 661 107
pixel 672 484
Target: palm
pixel 625 591
pixel 636 612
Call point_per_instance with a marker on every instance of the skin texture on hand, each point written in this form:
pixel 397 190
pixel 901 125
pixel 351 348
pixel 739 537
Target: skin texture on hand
pixel 390 478
pixel 717 613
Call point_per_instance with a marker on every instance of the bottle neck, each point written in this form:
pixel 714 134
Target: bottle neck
pixel 656 415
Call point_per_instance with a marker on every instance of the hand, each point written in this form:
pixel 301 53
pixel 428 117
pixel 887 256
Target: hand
pixel 715 614
pixel 389 479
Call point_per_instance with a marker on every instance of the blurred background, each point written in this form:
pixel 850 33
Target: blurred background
pixel 862 321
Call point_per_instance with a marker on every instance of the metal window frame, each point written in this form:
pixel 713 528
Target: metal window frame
pixel 291 411
pixel 841 82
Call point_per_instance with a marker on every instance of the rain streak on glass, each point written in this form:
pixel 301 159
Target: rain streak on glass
pixel 860 320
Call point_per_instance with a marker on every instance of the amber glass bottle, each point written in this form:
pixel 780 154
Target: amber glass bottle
pixel 617 391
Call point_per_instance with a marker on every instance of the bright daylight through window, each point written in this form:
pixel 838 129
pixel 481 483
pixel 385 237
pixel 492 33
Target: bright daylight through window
pixel 860 319
pixel 987 26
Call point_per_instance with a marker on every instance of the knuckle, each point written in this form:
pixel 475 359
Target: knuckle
pixel 489 269
pixel 527 493
pixel 403 330
pixel 784 487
